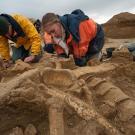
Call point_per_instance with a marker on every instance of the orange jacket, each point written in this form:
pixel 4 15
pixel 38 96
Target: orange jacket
pixel 87 31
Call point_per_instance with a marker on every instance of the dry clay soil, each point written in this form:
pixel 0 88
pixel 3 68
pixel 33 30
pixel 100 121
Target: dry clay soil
pixel 54 97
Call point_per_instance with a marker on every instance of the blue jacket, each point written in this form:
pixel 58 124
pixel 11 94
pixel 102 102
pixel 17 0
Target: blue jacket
pixel 71 23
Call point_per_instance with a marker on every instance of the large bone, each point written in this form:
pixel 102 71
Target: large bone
pixel 82 109
pixel 113 97
pixel 105 67
pixel 56 121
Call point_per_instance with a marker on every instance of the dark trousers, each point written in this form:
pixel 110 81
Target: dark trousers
pixel 22 53
pixel 19 53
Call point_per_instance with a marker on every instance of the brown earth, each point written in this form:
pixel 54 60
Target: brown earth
pixel 120 26
pixel 55 97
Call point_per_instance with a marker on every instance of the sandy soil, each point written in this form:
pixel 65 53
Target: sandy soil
pixel 54 97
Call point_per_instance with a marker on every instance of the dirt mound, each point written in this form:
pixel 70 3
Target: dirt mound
pixel 120 26
pixel 55 97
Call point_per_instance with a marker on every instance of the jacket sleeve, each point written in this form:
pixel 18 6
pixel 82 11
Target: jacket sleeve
pixel 31 33
pixel 4 48
pixel 87 30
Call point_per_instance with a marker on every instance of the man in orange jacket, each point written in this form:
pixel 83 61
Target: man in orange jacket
pixel 75 34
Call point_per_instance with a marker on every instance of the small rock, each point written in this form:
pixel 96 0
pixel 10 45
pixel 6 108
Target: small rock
pixel 30 130
pixel 17 131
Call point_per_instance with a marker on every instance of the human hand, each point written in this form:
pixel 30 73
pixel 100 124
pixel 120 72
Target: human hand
pixel 29 59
